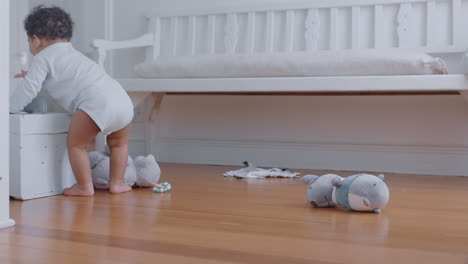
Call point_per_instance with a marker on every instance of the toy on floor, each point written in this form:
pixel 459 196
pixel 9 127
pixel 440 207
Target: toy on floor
pixel 141 172
pixel 360 192
pixel 146 169
pixel 100 167
pixel 250 171
pixel 162 187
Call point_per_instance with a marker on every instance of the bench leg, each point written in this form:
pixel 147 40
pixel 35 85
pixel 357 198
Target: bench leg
pixel 138 97
pixel 158 98
pixel 151 124
pixel 464 94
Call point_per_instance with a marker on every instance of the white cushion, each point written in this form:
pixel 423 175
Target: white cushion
pixel 341 63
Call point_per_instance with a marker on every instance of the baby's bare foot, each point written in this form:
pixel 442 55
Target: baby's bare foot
pixel 119 188
pixel 79 190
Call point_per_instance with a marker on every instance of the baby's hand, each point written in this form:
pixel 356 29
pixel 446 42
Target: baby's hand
pixel 21 75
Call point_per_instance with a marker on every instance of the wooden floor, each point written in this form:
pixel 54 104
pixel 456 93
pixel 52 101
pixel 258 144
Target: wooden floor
pixel 207 218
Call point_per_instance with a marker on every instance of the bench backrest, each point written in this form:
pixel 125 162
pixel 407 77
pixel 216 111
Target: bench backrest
pixel 432 26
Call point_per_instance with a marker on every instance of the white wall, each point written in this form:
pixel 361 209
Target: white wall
pixel 18 38
pixel 5 220
pixel 409 134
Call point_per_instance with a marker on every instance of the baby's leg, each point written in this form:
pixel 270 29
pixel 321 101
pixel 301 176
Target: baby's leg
pixel 118 145
pixel 82 130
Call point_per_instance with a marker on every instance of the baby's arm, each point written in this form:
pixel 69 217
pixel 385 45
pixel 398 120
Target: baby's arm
pixel 28 86
pixel 21 75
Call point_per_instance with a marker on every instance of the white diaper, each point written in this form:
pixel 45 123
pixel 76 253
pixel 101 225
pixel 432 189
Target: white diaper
pixel 111 110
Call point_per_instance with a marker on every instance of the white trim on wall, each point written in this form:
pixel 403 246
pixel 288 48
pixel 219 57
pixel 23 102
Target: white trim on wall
pixel 5 220
pixel 429 160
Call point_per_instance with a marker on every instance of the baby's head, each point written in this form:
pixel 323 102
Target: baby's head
pixel 47 25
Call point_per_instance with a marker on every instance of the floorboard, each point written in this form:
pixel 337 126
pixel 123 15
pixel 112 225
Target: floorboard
pixel 208 218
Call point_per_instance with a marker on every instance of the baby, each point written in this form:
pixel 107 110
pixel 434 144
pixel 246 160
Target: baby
pixel 80 86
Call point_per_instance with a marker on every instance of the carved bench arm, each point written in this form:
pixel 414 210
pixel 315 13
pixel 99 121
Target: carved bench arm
pixel 105 45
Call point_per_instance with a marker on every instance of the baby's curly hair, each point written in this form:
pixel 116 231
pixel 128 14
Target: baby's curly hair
pixel 49 22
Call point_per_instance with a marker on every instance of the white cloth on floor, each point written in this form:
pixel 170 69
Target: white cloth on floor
pixel 252 172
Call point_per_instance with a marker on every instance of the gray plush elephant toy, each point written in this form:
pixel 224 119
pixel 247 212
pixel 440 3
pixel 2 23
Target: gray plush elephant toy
pixel 100 167
pixel 360 192
pixel 320 190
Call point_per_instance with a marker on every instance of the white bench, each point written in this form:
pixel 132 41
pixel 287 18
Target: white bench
pixel 430 26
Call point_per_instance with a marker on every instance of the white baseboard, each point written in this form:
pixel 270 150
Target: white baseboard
pixel 430 160
pixel 4 223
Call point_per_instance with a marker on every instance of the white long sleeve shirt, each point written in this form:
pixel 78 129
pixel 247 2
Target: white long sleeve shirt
pixel 75 82
pixel 65 73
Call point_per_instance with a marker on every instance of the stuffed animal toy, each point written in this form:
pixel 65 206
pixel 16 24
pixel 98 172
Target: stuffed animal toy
pixel 143 172
pixel 360 192
pixel 320 190
pixel 100 167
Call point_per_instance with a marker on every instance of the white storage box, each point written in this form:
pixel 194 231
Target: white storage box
pixel 37 147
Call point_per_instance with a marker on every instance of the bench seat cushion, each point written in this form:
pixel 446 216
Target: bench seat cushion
pixel 338 63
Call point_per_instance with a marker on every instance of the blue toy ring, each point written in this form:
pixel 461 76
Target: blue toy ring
pixel 165 187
